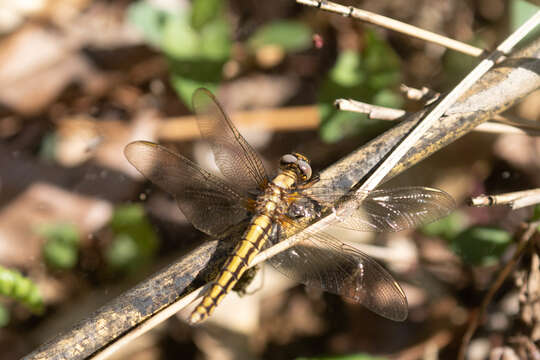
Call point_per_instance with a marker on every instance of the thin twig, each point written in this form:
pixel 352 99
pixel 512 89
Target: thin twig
pixel 516 200
pixel 378 175
pixel 498 128
pixel 389 114
pixel 395 25
pixel 518 122
pixel 478 315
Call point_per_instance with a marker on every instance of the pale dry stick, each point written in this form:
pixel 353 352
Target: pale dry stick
pixel 389 114
pixel 389 23
pixel 515 200
pixel 285 119
pixel 424 94
pixel 473 324
pixel 373 111
pixel 393 158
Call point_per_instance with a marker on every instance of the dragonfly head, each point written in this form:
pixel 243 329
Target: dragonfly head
pixel 297 163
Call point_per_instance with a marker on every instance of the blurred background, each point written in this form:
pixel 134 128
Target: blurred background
pixel 80 79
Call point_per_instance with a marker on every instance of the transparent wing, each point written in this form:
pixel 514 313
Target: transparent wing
pixel 322 261
pixel 387 210
pixel 319 260
pixel 207 201
pixel 236 159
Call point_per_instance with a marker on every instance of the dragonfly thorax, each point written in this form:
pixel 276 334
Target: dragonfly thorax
pixel 274 200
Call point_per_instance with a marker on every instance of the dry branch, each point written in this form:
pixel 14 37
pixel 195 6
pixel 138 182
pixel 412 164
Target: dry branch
pixel 516 200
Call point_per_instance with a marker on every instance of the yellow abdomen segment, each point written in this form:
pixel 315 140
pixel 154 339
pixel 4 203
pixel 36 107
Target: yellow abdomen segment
pixel 253 240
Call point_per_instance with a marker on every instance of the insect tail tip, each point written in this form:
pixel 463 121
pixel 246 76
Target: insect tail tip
pixel 195 318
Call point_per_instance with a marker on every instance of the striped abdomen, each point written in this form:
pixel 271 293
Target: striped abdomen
pixel 252 241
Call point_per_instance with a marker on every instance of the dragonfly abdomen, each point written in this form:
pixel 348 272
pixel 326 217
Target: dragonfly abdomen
pixel 250 245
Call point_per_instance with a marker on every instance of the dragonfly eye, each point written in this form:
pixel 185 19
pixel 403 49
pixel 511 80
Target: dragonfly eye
pixel 288 159
pixel 305 168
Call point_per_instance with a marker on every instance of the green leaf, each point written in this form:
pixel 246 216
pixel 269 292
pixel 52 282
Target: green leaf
pixel 148 19
pixel 368 76
pixel 60 255
pixel 65 232
pixel 135 242
pixel 536 213
pixel 378 56
pixel 348 71
pixel 388 98
pixel 481 245
pixel 521 11
pixel 61 247
pixel 197 43
pixel 122 252
pixel 215 41
pixel 4 316
pixel 290 35
pixel 13 284
pixel 197 59
pixel 179 39
pixel 127 216
pixel 204 11
pixel 448 227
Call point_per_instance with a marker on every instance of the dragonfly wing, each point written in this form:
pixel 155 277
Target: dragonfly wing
pixel 394 209
pixel 324 262
pixel 386 210
pixel 207 201
pixel 236 159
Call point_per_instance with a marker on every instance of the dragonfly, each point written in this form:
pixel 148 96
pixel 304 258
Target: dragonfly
pixel 271 209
